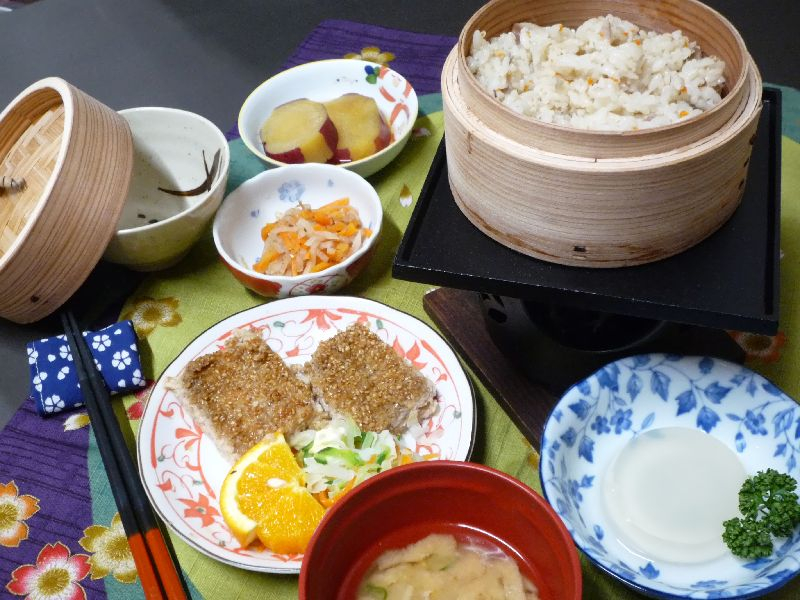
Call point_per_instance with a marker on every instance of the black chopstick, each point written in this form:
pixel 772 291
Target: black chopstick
pixel 157 570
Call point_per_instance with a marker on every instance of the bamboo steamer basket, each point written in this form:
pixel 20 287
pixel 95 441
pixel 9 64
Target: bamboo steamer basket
pixel 700 23
pixel 600 212
pixel 75 156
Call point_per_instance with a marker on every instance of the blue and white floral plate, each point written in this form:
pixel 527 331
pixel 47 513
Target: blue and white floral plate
pixel 597 417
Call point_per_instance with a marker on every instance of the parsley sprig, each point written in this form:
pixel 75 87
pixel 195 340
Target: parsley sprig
pixel 769 505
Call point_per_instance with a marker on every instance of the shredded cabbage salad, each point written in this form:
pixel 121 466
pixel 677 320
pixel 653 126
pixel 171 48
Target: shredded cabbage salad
pixel 340 456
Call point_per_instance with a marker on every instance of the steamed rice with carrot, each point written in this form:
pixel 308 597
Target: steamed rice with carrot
pixel 608 74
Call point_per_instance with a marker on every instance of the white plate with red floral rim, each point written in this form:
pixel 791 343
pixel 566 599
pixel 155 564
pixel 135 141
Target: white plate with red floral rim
pixel 183 471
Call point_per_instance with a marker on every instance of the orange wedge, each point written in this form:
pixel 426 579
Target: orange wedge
pixel 264 496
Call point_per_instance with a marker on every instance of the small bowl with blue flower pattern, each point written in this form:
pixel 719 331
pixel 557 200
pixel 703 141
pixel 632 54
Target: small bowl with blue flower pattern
pixel 644 459
pixel 326 80
pixel 265 198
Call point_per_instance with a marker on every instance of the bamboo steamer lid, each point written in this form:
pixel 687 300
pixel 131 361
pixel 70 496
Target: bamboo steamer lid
pixel 579 211
pixel 75 156
pixel 700 23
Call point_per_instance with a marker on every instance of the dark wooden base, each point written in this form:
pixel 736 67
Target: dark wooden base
pixel 459 315
pixel 527 371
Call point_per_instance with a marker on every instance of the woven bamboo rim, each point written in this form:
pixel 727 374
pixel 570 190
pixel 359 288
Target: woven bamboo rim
pixel 596 213
pixel 713 32
pixel 76 157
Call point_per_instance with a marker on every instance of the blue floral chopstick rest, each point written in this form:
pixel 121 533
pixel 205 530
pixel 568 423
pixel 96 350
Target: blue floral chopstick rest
pixel 54 379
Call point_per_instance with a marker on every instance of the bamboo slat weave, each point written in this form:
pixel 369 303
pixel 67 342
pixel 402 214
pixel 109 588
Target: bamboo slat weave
pixel 31 158
pixel 75 156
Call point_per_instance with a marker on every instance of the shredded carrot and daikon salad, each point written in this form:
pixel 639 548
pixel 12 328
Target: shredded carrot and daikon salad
pixel 305 240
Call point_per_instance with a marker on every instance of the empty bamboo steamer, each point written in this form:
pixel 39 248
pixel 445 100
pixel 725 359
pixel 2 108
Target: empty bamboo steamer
pixel 75 157
pixel 599 199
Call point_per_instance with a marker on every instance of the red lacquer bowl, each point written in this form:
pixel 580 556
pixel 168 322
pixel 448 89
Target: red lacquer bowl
pixel 470 501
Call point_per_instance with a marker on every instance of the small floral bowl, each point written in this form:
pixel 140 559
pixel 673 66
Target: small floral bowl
pixel 601 415
pixel 325 80
pixel 260 200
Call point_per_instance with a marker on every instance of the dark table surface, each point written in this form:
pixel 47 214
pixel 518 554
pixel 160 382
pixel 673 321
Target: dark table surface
pixel 207 55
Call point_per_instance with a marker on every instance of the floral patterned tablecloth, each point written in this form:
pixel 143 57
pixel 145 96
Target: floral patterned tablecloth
pixel 9 5
pixel 60 534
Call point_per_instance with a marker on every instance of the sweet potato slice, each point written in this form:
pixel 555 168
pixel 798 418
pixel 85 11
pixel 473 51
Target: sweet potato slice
pixel 299 131
pixel 362 129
